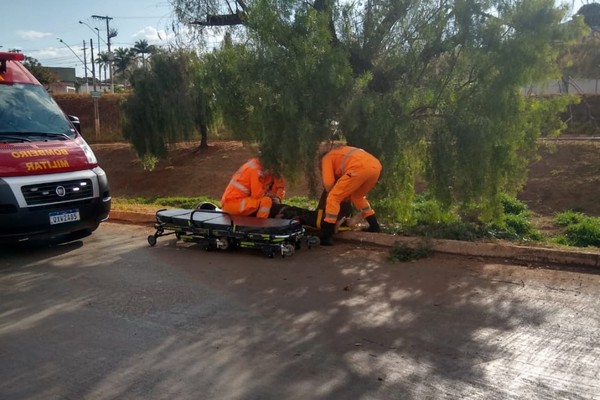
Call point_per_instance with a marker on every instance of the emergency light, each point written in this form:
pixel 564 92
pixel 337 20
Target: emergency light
pixel 4 57
pixel 11 56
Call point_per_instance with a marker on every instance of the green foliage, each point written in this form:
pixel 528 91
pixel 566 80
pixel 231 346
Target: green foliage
pixel 301 201
pixel 191 202
pixel 429 218
pixel 567 218
pixel 161 109
pixel 580 230
pixel 149 161
pixel 175 202
pixel 434 89
pixel 403 252
pixel 284 86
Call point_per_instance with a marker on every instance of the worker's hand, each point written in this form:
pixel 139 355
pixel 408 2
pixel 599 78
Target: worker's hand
pixel 276 200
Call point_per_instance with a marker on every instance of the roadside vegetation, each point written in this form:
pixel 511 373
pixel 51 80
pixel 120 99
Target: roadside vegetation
pixel 433 89
pixel 428 220
pixel 578 229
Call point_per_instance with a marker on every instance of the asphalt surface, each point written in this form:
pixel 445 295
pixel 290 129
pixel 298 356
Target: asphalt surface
pixel 110 317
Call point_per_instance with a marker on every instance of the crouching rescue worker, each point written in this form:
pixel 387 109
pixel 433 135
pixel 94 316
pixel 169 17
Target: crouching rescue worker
pixel 348 172
pixel 252 191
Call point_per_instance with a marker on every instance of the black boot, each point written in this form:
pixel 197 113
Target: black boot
pixel 327 230
pixel 373 224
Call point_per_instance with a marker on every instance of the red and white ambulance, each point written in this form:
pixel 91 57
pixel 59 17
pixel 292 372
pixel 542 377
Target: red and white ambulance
pixel 50 181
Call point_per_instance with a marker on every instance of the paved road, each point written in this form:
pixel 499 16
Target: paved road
pixel 109 317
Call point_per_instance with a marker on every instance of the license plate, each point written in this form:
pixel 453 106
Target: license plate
pixel 60 217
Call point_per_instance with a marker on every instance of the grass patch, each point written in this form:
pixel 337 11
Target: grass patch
pixel 131 203
pixel 160 202
pixel 429 219
pixel 579 229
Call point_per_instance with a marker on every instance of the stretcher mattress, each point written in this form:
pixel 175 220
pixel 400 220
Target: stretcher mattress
pixel 218 220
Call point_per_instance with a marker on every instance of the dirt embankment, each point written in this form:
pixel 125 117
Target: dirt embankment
pixel 567 175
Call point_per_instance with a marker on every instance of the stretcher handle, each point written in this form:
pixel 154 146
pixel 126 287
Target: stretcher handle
pixel 156 213
pixel 212 212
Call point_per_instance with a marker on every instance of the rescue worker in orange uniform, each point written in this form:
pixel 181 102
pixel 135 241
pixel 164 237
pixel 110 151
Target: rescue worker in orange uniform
pixel 252 191
pixel 348 172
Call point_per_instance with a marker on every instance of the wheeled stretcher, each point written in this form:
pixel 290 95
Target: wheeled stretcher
pixel 215 229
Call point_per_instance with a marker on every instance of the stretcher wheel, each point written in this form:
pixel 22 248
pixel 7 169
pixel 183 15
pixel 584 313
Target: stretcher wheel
pixel 313 241
pixel 287 250
pixel 151 240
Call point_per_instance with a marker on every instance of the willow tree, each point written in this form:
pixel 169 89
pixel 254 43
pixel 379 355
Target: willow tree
pixel 167 105
pixel 432 88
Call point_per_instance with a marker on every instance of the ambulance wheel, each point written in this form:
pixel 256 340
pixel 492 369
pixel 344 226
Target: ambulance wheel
pixel 152 240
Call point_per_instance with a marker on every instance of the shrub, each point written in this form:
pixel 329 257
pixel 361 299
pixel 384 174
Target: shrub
pixel 430 219
pixel 511 205
pixel 567 218
pixel 582 232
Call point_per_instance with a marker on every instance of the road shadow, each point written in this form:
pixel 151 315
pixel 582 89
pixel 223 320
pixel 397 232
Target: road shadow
pixel 173 321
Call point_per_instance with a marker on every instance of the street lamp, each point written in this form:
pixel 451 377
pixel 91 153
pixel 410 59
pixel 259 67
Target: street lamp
pixel 98 47
pixel 97 32
pixel 75 54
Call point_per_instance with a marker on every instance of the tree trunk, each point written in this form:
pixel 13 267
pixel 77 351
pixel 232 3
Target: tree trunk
pixel 203 137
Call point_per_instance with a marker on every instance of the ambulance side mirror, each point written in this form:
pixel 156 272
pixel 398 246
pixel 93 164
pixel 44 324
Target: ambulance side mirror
pixel 75 121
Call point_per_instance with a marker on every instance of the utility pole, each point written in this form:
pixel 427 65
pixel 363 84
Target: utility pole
pixel 95 93
pixel 93 66
pixel 87 84
pixel 110 56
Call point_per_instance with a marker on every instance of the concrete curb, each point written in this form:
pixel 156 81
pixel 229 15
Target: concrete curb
pixel 131 217
pixel 499 249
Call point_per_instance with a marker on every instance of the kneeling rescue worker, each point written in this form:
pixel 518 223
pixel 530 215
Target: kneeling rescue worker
pixel 348 172
pixel 252 191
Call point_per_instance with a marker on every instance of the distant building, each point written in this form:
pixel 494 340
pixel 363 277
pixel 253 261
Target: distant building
pixel 559 86
pixel 66 80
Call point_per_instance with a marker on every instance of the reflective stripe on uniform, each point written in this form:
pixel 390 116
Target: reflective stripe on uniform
pixel 343 165
pixel 239 186
pixel 243 205
pixel 252 164
pixel 330 216
pixel 265 210
pixel 365 209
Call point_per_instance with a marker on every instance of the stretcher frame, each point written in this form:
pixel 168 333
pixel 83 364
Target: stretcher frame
pixel 216 229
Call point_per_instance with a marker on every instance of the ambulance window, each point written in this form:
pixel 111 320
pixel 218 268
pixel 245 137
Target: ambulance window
pixel 26 109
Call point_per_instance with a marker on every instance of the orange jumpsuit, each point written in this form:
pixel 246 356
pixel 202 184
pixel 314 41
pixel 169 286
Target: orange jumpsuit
pixel 348 172
pixel 251 191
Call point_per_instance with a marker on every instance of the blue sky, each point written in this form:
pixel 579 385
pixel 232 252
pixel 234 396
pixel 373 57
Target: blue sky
pixel 34 26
